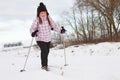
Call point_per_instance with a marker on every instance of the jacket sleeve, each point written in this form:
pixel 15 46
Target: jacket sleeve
pixel 54 25
pixel 34 26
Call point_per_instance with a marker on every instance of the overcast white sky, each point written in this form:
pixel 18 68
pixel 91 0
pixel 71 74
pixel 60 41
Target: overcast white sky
pixel 26 9
pixel 16 16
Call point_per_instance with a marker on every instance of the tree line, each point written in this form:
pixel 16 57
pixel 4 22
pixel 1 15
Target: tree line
pixel 94 20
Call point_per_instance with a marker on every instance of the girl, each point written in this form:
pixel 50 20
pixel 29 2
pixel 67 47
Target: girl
pixel 41 30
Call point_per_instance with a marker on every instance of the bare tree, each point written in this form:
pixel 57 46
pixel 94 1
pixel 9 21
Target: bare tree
pixel 107 8
pixel 72 21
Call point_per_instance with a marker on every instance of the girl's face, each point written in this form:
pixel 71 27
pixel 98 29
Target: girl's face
pixel 43 14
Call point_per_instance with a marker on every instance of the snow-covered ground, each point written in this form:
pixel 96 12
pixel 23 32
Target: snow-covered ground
pixel 85 62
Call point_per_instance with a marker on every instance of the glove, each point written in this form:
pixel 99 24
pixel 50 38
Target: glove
pixel 34 33
pixel 63 30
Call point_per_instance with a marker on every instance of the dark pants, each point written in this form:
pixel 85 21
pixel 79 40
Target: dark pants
pixel 44 46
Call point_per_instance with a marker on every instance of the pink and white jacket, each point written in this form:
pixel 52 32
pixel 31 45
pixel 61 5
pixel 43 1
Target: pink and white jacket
pixel 44 29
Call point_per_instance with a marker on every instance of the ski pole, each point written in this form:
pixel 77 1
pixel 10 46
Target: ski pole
pixel 64 52
pixel 27 56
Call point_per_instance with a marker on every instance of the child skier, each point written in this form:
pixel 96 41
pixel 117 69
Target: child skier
pixel 41 30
